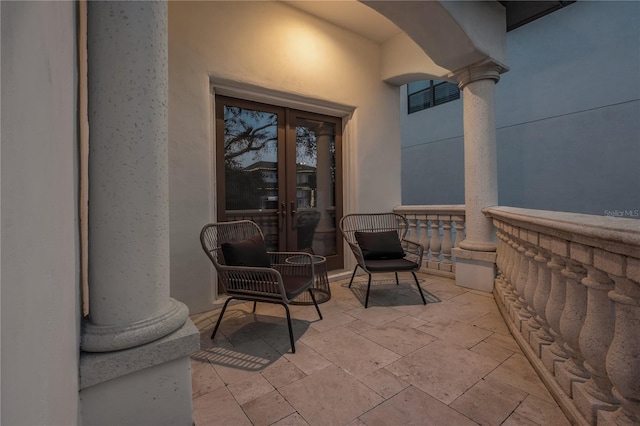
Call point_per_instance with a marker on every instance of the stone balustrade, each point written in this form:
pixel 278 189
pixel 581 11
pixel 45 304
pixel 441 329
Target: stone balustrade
pixel 568 286
pixel 438 229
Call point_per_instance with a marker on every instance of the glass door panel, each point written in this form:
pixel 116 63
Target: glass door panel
pixel 315 156
pixel 251 182
pixel 281 169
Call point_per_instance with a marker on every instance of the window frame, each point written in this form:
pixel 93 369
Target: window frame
pixel 433 101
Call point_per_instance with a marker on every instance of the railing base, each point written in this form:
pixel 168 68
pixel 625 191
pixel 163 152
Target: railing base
pixel 589 405
pixel 565 403
pixel 439 272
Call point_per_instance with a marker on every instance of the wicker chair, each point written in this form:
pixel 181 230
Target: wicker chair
pixel 378 243
pixel 277 279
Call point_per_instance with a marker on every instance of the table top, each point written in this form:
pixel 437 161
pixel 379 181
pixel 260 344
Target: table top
pixel 304 259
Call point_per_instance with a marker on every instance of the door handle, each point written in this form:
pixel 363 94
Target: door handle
pixel 283 213
pixel 293 209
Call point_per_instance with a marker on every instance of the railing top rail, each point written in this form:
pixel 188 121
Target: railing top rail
pixel 458 209
pixel 621 235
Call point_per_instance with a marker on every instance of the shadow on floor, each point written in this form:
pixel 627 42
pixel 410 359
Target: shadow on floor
pixel 385 291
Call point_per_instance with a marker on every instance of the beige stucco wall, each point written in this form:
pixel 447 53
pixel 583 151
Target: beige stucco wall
pixel 40 260
pixel 270 46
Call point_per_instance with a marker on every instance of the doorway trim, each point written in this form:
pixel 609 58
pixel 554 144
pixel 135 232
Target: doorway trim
pixel 250 92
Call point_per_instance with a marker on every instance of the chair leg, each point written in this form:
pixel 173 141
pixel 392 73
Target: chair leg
pixel 254 307
pixel 397 282
pixel 366 302
pixel 293 347
pixel 315 303
pixel 419 288
pixel 224 308
pixel 353 275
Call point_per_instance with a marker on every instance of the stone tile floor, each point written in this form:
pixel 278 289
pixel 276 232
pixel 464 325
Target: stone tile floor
pixel 451 362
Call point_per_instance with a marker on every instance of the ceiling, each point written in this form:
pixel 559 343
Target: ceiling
pixel 359 18
pixel 351 15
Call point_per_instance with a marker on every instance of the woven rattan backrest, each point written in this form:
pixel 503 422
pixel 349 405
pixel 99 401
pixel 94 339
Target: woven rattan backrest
pixel 372 222
pixel 214 235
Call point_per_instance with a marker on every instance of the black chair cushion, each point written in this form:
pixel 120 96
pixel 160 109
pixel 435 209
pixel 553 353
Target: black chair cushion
pixel 251 252
pixel 380 245
pixel 391 265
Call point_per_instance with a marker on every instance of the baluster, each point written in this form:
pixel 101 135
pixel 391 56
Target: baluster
pixel 513 274
pixel 459 226
pixel 435 240
pixel 623 358
pixel 412 232
pixel 459 229
pixel 513 261
pixel 521 271
pixel 571 322
pixel 446 241
pixel 501 258
pixel 531 326
pixel 553 312
pixel 424 238
pixel 540 300
pixel 595 339
pixel 510 297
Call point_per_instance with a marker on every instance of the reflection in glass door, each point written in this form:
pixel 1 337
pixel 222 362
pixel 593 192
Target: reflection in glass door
pixel 248 174
pixel 316 179
pixel 280 168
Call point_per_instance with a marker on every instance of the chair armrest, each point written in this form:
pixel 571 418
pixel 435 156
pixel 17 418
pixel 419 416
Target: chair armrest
pixel 266 282
pixel 357 252
pixel 413 250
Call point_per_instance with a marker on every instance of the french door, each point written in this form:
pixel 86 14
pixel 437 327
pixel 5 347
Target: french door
pixel 281 168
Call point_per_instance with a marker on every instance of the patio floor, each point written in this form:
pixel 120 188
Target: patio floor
pixel 451 362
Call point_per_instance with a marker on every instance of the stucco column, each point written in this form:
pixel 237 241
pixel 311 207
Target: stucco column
pixel 129 303
pixel 136 342
pixel 476 256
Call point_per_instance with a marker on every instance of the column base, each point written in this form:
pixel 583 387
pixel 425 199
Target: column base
pixel 159 395
pixel 100 338
pixel 475 269
pixel 149 384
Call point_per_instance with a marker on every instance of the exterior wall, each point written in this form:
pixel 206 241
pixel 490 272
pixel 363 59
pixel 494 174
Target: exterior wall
pixel 40 255
pixel 278 49
pixel 567 119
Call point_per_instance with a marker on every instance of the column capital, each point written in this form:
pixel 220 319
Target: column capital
pixel 485 70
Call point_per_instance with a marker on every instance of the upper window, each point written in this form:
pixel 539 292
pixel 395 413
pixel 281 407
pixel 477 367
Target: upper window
pixel 429 93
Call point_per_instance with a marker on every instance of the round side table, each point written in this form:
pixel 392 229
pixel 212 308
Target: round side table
pixel 320 287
